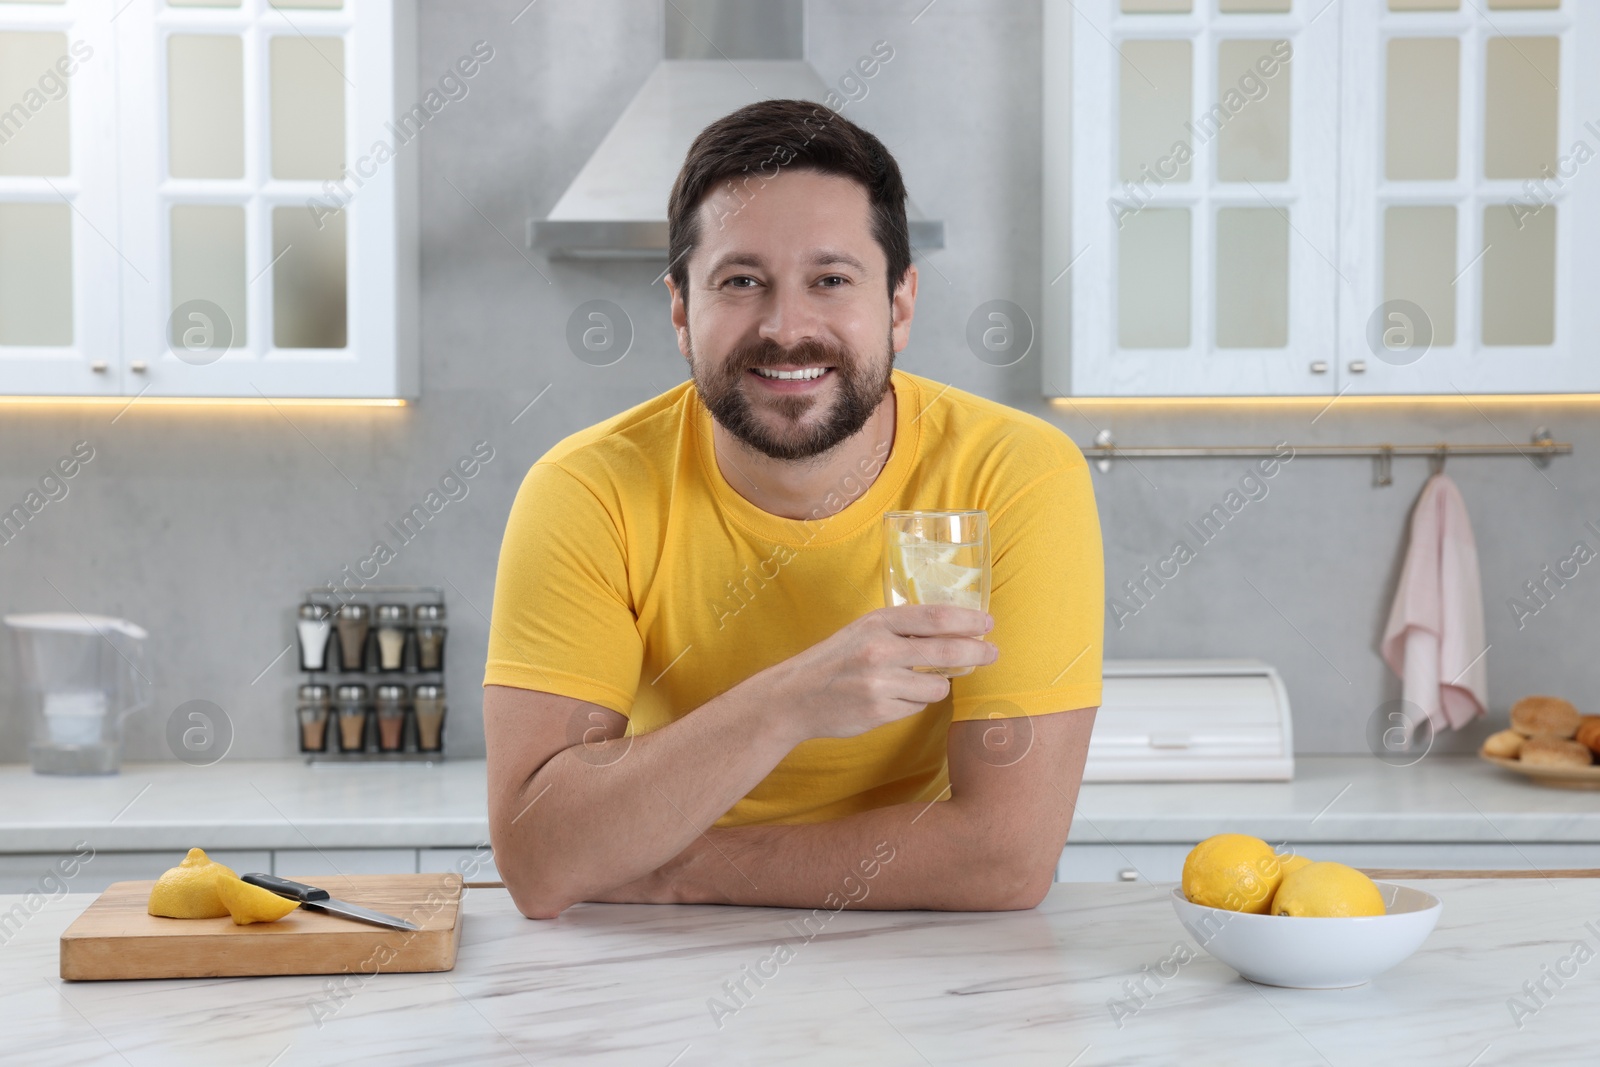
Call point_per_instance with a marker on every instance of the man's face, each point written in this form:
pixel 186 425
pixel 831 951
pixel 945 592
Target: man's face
pixel 787 276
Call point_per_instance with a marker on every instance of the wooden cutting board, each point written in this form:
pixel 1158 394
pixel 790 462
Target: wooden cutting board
pixel 117 937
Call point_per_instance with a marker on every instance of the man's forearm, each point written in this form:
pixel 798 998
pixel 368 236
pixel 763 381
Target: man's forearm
pixel 598 815
pixel 933 856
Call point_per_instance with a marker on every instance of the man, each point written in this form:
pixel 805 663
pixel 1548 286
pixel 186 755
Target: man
pixel 693 692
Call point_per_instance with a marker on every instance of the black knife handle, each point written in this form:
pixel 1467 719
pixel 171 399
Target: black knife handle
pixel 285 888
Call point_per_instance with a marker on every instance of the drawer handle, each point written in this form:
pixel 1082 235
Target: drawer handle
pixel 1127 874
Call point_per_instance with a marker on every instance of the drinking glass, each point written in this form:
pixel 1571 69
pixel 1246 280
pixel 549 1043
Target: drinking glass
pixel 937 557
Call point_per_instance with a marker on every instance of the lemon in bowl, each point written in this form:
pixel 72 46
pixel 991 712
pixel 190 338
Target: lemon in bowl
pixel 1327 891
pixel 1302 948
pixel 1235 872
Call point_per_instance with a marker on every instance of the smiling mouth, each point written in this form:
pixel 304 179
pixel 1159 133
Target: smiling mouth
pixel 790 374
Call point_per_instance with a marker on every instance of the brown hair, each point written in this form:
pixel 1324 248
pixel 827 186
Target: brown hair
pixel 749 147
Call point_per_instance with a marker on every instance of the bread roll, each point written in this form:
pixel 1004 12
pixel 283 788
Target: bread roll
pixel 1544 717
pixel 1589 732
pixel 1555 752
pixel 1505 744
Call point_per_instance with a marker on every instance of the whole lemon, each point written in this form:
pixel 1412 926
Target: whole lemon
pixel 1236 872
pixel 1287 865
pixel 1327 890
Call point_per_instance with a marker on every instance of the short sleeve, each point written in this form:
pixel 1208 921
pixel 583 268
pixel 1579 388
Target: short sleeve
pixel 1047 597
pixel 562 620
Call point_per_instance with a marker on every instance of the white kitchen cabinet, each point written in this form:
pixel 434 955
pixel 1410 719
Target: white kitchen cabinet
pixel 59 268
pixel 1121 863
pixel 473 865
pixel 1201 269
pixel 1457 856
pixel 1314 202
pixel 225 223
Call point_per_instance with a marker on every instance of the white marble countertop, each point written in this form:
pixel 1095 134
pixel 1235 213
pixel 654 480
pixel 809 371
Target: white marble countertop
pixel 260 804
pixel 287 804
pixel 1346 798
pixel 635 984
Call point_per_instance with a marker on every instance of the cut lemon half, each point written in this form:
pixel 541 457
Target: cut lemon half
pixel 189 890
pixel 250 903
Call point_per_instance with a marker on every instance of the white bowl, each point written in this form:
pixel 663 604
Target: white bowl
pixel 1307 953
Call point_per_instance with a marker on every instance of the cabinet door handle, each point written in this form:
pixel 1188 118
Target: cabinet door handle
pixel 1358 366
pixel 138 366
pixel 99 366
pixel 1319 367
pixel 1127 874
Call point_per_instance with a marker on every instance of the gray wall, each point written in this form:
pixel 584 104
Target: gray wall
pixel 205 524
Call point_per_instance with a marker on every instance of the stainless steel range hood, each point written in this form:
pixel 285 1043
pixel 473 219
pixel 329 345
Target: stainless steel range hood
pixel 719 56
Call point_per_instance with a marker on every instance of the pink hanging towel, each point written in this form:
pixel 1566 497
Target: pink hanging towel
pixel 1435 638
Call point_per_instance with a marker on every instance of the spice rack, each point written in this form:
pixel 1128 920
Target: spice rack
pixel 373 663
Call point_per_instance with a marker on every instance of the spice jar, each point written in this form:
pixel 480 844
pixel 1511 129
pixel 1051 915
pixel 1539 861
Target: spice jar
pixel 315 693
pixel 352 709
pixel 392 619
pixel 311 715
pixel 391 711
pixel 430 637
pixel 428 703
pixel 354 620
pixel 315 627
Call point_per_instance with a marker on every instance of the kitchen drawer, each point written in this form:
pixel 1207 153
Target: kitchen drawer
pixel 1121 863
pixel 1164 863
pixel 473 865
pixel 312 862
pixel 39 872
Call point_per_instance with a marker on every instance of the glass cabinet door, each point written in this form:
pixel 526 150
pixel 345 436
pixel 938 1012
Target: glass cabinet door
pixel 59 264
pixel 208 198
pixel 1291 197
pixel 1466 193
pixel 1204 186
pixel 250 291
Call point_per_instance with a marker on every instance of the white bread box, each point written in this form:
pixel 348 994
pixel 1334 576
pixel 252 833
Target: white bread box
pixel 1190 720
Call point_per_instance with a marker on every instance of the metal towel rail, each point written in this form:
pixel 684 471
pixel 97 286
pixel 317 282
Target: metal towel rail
pixel 1537 451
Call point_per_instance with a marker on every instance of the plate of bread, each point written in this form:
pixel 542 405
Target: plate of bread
pixel 1550 741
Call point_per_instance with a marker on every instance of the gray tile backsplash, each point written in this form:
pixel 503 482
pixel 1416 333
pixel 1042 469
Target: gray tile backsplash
pixel 205 525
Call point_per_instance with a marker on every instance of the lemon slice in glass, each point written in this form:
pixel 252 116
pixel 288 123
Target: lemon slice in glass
pixel 931 576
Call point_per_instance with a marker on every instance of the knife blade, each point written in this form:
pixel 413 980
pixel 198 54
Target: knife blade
pixel 310 896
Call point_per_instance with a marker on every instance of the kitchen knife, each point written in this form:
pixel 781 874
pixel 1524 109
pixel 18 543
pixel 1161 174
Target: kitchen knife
pixel 310 896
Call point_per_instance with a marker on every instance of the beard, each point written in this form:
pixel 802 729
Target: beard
pixel 858 387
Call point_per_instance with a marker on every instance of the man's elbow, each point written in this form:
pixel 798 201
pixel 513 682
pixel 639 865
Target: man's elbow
pixel 534 904
pixel 1032 894
pixel 1026 889
pixel 533 909
pixel 532 894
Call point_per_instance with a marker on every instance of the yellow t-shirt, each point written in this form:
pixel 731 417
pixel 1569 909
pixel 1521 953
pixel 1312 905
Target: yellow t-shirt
pixel 633 576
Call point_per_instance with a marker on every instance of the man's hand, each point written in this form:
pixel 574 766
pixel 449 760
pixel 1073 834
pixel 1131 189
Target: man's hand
pixel 862 676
